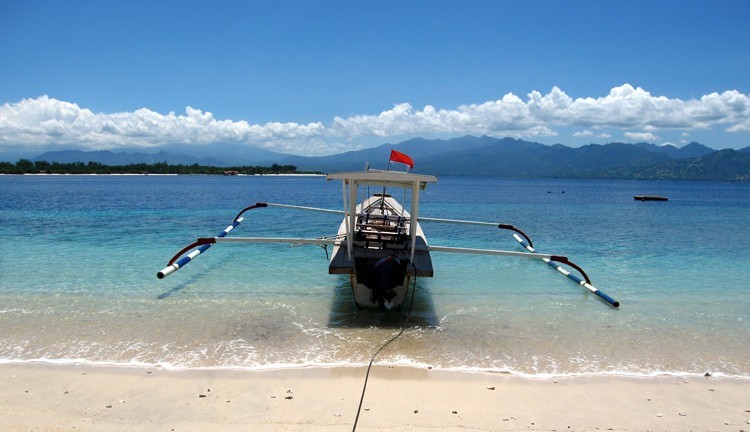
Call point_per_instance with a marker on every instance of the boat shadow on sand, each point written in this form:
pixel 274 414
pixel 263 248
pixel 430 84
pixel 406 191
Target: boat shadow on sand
pixel 344 313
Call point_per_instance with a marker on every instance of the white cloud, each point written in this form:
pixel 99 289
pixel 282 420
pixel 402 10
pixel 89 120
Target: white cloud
pixel 641 136
pixel 45 121
pixel 587 134
pixel 583 134
pixel 743 126
pixel 509 115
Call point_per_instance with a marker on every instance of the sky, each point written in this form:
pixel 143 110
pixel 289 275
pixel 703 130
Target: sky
pixel 324 77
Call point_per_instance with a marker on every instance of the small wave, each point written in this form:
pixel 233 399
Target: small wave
pixel 18 311
pixel 403 362
pixel 177 367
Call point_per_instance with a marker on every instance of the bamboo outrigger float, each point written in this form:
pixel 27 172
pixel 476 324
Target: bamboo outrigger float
pixel 379 244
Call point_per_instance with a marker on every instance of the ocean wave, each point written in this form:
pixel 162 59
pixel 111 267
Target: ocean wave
pixel 403 362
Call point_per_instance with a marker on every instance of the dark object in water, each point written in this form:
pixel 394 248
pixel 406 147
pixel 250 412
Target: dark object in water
pixel 650 198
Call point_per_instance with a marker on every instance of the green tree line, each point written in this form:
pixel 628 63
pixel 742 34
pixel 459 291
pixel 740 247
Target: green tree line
pixel 25 166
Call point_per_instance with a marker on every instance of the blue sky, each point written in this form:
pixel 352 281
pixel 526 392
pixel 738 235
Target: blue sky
pixel 318 77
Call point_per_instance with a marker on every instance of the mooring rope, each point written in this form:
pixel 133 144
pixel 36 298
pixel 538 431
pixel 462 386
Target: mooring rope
pixel 372 360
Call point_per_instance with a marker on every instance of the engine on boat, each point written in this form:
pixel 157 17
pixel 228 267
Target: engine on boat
pixel 382 276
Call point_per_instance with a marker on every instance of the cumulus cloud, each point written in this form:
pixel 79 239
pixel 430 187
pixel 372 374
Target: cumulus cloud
pixel 641 136
pixel 583 134
pixel 46 121
pixel 509 115
pixel 588 134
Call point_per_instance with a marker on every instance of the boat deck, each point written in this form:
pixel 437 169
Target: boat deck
pixel 422 267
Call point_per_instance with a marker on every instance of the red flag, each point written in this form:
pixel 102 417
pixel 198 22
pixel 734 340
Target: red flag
pixel 401 158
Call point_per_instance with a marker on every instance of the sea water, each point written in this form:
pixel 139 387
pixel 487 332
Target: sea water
pixel 79 258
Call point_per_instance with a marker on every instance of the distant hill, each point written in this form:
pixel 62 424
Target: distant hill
pixel 517 158
pixel 417 148
pixel 220 156
pixel 691 150
pixel 230 154
pixel 470 156
pixel 107 157
pixel 722 165
pixel 508 157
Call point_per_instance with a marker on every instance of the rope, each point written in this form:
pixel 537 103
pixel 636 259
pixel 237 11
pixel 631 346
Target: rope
pixel 367 375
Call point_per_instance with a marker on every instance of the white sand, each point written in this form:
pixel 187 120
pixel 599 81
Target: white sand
pixel 39 397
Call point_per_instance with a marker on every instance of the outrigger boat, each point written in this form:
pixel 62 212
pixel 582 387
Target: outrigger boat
pixel 379 244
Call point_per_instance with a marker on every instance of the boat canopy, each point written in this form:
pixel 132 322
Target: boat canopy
pixel 385 178
pixel 392 179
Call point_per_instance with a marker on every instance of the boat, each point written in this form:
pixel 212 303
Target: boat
pixel 650 198
pixel 385 245
pixel 379 244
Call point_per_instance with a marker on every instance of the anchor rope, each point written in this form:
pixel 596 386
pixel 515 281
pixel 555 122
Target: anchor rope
pixel 372 360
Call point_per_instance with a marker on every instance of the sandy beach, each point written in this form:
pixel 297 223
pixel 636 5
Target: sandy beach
pixel 42 397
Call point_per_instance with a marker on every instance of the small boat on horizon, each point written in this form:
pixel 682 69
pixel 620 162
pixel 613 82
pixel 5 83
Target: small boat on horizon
pixel 650 198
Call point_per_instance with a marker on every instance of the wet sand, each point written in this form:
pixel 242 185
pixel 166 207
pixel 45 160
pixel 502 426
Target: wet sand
pixel 95 398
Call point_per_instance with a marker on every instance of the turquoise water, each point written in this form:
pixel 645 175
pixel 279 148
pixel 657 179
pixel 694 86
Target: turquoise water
pixel 80 254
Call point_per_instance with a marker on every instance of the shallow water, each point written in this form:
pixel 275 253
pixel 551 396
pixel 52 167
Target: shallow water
pixel 77 277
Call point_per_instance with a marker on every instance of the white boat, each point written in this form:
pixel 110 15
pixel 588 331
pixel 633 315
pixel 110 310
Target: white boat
pixel 379 244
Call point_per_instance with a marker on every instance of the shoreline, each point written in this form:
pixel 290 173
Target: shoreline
pixel 108 398
pixel 79 362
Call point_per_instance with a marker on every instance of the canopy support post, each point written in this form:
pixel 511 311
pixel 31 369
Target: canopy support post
pixel 413 221
pixel 352 225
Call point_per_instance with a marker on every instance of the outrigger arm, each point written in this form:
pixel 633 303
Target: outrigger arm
pixel 525 242
pixel 584 283
pixel 202 244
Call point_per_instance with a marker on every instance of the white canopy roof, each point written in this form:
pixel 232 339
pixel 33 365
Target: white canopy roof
pixel 385 178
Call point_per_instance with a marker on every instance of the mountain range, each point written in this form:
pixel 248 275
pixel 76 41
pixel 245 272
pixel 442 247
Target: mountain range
pixel 470 155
